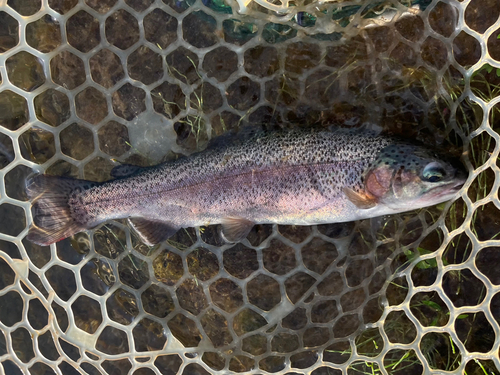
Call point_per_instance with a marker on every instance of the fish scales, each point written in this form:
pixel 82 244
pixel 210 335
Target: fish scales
pixel 200 189
pixel 300 177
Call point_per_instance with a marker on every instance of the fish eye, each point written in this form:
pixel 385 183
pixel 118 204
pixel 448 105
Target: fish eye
pixel 433 173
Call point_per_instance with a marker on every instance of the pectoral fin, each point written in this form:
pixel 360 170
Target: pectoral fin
pixel 152 232
pixel 361 200
pixel 235 229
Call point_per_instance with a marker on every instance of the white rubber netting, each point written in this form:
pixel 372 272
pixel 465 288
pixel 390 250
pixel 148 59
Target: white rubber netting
pixel 86 85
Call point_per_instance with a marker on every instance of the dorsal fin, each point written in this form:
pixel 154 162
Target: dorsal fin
pixel 365 128
pixel 237 136
pixel 125 170
pixel 235 229
pixel 152 232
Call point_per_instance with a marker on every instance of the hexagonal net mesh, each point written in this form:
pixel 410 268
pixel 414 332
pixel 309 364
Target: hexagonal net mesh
pixel 86 85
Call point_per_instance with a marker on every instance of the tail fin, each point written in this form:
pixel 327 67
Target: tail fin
pixel 51 211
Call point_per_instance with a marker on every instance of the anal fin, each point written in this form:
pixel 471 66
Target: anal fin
pixel 235 229
pixel 152 232
pixel 360 200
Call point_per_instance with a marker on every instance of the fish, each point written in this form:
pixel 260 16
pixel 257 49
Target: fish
pixel 295 177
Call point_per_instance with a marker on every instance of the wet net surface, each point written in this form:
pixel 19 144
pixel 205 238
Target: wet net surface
pixel 86 85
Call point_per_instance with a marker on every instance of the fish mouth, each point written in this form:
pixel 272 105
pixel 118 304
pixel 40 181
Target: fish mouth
pixel 448 190
pixel 458 186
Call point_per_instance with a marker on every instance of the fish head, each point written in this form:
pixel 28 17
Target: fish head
pixel 404 177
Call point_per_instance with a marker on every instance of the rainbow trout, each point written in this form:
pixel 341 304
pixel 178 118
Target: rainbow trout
pixel 300 177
